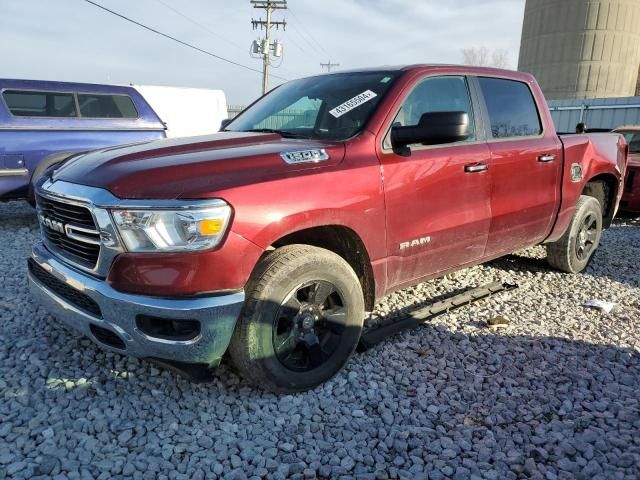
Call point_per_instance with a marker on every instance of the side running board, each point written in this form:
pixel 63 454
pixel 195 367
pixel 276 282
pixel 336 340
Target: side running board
pixel 421 315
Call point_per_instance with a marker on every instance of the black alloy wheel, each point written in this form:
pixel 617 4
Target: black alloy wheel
pixel 573 251
pixel 308 326
pixel 587 237
pixel 302 319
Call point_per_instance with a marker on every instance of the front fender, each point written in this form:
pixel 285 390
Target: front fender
pixel 349 195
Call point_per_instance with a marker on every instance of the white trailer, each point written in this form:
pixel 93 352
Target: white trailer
pixel 186 112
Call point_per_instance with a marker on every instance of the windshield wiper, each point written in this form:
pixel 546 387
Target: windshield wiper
pixel 284 133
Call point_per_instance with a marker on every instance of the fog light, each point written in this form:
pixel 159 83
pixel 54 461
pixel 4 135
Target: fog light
pixel 179 330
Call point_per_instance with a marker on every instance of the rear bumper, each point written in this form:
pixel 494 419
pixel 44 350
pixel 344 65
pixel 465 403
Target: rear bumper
pixel 111 318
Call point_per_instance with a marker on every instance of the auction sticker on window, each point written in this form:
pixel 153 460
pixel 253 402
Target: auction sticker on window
pixel 352 103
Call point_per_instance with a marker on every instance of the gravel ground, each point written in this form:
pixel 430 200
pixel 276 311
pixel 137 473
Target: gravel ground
pixel 556 394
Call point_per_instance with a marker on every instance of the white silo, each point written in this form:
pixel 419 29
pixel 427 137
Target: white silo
pixel 582 48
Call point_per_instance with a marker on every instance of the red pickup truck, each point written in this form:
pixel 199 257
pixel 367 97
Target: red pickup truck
pixel 271 239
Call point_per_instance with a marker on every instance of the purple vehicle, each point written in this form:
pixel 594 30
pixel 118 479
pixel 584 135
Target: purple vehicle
pixel 42 123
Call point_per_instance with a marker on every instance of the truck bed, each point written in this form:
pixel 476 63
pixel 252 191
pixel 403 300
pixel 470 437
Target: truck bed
pixel 587 155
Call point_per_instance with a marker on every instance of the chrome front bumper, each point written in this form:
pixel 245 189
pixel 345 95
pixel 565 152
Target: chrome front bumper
pixel 217 315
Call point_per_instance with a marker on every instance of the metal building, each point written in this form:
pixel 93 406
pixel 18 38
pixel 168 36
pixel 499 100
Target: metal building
pixel 606 113
pixel 582 48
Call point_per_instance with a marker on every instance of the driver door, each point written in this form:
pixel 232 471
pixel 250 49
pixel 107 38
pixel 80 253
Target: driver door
pixel 438 196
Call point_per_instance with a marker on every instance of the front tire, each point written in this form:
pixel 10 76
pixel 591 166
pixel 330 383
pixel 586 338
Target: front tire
pixel 575 249
pixel 301 321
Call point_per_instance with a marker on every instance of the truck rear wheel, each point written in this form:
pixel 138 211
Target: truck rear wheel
pixel 574 250
pixel 301 321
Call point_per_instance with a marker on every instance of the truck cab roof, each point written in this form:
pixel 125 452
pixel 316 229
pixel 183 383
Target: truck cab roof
pixel 419 67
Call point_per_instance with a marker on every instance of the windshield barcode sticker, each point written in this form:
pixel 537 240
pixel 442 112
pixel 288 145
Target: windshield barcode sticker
pixel 352 103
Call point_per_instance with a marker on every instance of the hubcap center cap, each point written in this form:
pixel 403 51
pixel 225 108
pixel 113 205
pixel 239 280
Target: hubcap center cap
pixel 307 321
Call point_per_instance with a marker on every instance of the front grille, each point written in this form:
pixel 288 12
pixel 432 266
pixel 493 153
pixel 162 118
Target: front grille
pixel 71 295
pixel 67 214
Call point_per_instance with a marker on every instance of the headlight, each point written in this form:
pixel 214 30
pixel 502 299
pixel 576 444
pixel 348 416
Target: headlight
pixel 172 230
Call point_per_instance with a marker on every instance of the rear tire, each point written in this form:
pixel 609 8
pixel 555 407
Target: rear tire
pixel 301 322
pixel 600 191
pixel 575 249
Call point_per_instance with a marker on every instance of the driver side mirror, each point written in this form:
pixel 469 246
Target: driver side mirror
pixel 434 128
pixel 224 123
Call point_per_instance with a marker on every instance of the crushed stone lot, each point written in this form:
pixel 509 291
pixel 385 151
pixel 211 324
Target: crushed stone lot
pixel 555 394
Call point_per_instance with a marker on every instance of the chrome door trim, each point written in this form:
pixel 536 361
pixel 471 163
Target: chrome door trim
pixel 14 172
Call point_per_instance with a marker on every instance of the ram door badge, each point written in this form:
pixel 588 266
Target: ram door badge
pixel 415 243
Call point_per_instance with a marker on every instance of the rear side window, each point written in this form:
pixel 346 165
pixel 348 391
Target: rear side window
pixel 106 106
pixel 24 103
pixel 512 109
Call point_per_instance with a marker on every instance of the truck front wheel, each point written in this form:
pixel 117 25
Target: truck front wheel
pixel 573 252
pixel 301 321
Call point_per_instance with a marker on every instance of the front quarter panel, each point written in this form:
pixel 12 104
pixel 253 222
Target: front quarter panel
pixel 348 194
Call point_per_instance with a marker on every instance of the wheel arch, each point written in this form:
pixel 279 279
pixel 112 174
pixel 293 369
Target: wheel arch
pixel 604 185
pixel 342 241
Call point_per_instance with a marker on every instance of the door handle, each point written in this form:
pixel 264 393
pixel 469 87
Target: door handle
pixel 476 167
pixel 546 158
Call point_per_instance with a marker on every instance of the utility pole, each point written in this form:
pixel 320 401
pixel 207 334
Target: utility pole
pixel 264 47
pixel 329 65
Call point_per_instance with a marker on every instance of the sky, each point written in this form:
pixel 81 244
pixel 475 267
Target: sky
pixel 72 40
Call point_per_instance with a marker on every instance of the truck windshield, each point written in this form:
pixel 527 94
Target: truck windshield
pixel 333 107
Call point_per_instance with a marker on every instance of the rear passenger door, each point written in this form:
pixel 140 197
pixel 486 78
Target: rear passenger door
pixel 525 167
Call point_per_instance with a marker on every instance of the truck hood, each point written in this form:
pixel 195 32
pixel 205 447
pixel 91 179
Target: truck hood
pixel 194 167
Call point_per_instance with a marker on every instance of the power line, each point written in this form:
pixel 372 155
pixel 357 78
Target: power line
pixel 301 35
pixel 217 35
pixel 204 27
pixel 300 49
pixel 307 32
pixel 181 42
pixel 306 40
